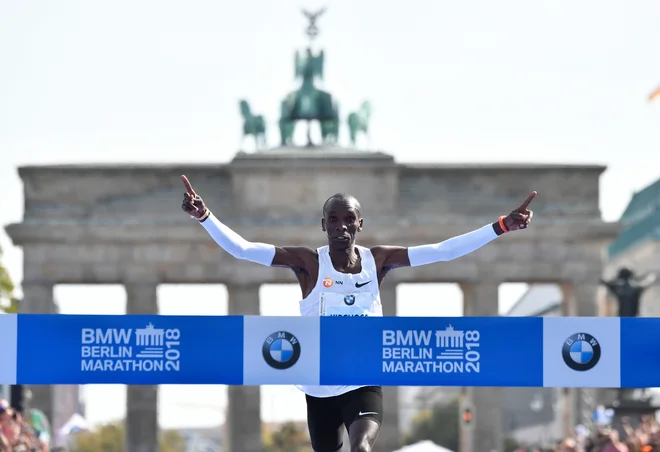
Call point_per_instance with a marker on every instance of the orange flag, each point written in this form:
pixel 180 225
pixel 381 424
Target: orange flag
pixel 655 95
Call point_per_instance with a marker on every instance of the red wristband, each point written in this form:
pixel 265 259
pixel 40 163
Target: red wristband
pixel 204 216
pixel 501 221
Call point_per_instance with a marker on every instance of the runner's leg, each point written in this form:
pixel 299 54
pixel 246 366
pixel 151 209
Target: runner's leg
pixel 325 422
pixel 363 412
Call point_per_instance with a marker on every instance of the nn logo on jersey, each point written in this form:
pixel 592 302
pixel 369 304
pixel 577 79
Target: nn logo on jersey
pixel 328 282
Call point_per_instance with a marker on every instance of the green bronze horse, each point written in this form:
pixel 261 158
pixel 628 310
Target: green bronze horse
pixel 287 127
pixel 309 103
pixel 253 125
pixel 330 128
pixel 358 121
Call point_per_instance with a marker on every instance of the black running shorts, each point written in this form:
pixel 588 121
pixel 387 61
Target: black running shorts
pixel 326 415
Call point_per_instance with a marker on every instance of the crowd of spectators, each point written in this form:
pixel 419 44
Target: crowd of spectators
pixel 16 434
pixel 643 438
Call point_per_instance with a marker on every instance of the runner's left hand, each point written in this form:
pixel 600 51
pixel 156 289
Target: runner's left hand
pixel 521 217
pixel 192 204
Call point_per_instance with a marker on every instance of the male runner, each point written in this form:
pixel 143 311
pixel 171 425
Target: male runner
pixel 343 278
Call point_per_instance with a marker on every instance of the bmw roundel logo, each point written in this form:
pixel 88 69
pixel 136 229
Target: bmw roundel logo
pixel 349 300
pixel 581 352
pixel 281 350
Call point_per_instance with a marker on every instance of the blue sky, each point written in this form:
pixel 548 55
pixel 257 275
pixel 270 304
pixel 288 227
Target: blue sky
pixel 159 81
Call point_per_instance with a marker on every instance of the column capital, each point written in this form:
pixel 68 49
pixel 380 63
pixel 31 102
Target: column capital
pixel 580 299
pixel 38 297
pixel 388 298
pixel 389 282
pixel 478 284
pixel 243 299
pixel 480 299
pixel 238 286
pixel 141 297
pixel 37 282
pixel 141 272
pixel 141 284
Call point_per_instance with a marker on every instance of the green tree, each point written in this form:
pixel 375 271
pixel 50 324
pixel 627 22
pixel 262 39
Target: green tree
pixel 510 445
pixel 110 438
pixel 171 441
pixel 438 424
pixel 291 437
pixel 7 288
pixel 107 438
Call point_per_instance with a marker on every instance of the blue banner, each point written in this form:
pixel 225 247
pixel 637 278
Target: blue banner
pixel 129 349
pixel 640 341
pixel 605 352
pixel 432 351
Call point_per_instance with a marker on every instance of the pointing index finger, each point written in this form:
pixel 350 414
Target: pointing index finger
pixel 529 199
pixel 189 188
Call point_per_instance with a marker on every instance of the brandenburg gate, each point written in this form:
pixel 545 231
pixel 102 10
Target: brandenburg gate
pixel 123 225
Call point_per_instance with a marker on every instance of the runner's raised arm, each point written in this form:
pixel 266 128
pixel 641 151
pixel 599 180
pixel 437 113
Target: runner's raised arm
pixel 294 257
pixel 390 257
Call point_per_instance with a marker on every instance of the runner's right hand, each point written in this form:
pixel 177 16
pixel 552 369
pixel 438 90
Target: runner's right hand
pixel 192 203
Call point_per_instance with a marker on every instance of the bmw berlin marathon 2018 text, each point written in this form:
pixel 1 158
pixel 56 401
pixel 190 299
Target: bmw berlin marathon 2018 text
pixel 579 352
pixel 431 351
pixel 130 349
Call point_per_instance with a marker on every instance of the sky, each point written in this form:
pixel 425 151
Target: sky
pixel 159 82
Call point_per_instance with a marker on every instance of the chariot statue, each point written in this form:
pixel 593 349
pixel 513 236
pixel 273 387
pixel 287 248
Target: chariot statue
pixel 309 103
pixel 253 125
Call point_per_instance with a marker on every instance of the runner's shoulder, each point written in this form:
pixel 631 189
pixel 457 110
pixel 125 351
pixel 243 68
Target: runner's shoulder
pixel 303 252
pixel 296 257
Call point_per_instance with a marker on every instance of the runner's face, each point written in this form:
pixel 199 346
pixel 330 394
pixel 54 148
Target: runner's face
pixel 341 223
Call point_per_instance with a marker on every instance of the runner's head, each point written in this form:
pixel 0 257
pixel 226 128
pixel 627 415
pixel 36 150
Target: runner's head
pixel 625 274
pixel 342 220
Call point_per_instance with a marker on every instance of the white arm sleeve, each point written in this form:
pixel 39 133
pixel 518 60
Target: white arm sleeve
pixel 237 246
pixel 451 248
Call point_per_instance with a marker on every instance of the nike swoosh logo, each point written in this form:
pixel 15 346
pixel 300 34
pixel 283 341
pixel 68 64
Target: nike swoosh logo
pixel 358 285
pixel 366 412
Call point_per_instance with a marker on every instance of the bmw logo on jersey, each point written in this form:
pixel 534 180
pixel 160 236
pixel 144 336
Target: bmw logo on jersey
pixel 281 350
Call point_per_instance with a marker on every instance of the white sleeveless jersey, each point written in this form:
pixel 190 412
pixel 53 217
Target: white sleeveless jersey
pixel 342 294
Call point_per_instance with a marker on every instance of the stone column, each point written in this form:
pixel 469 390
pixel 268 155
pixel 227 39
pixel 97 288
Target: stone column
pixel 484 433
pixel 580 300
pixel 389 437
pixel 141 423
pixel 243 423
pixel 38 299
pixel 604 305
